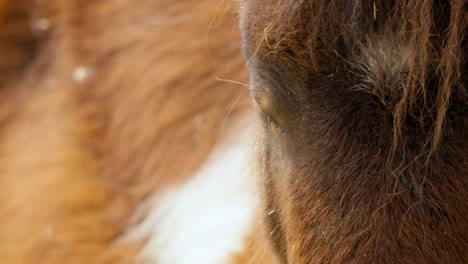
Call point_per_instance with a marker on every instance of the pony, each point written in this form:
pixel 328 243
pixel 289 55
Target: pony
pixel 363 149
pixel 128 129
pixel 113 115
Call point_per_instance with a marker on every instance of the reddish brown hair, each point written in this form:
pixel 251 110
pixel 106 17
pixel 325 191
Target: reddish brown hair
pixel 101 104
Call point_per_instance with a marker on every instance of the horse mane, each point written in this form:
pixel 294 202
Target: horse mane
pixel 416 85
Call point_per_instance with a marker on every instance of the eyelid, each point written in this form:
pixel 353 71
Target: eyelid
pixel 271 120
pixel 264 103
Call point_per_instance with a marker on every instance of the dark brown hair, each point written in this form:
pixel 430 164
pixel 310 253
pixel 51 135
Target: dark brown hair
pixel 323 36
pixel 363 153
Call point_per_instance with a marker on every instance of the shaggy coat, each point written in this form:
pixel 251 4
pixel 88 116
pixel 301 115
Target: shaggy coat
pixel 362 120
pixel 103 103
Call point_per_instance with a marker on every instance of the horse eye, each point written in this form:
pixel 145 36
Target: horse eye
pixel 273 123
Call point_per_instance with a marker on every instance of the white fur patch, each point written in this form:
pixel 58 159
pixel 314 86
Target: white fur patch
pixel 205 220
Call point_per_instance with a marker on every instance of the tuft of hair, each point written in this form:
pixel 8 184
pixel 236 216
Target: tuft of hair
pixel 409 53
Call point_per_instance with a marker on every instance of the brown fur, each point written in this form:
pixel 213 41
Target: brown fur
pixel 79 154
pixel 363 150
pixel 363 105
